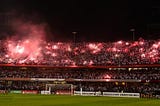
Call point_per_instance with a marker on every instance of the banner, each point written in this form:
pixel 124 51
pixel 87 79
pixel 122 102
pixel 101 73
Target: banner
pixel 16 91
pixel 111 94
pixel 118 94
pixel 2 91
pixel 45 92
pixel 29 92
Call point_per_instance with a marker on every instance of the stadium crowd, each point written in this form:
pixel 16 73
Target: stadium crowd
pixel 118 53
pixel 144 74
pixel 114 87
pixel 140 74
pixel 82 54
pixel 86 86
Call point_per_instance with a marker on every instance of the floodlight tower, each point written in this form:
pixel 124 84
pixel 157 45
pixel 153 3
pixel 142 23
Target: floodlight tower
pixel 133 33
pixel 74 36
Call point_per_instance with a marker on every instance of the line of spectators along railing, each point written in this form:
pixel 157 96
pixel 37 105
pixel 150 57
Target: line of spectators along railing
pixel 143 74
pixel 105 87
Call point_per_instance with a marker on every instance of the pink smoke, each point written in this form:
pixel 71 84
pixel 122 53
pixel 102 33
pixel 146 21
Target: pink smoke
pixel 26 43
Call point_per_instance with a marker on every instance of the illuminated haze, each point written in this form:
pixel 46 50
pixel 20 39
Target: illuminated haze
pixel 26 43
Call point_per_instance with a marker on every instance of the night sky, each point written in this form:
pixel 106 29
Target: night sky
pixel 93 20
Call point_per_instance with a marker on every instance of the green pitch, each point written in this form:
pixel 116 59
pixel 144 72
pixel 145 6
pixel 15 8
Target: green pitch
pixel 51 100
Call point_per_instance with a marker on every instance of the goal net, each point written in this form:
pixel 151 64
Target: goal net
pixel 60 89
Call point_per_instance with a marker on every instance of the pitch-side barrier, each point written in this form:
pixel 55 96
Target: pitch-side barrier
pixel 111 94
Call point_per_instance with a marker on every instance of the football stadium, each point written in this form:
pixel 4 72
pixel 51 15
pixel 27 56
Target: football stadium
pixel 113 73
pixel 79 53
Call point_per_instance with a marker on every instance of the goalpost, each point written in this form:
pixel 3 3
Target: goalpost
pixel 60 89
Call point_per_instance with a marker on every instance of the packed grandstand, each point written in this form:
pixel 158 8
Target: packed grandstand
pixel 80 54
pixel 122 66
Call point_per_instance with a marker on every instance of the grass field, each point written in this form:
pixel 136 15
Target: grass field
pixel 51 100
